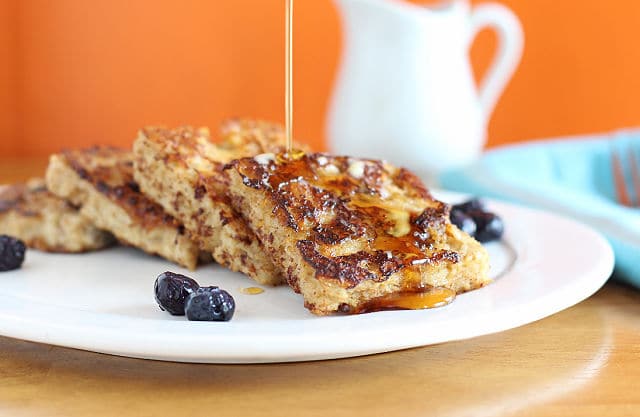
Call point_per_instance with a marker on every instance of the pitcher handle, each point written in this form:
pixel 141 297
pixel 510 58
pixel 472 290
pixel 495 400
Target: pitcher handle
pixel 510 43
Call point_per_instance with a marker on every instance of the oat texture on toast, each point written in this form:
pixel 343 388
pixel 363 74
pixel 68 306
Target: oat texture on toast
pixel 182 170
pixel 46 222
pixel 351 232
pixel 100 181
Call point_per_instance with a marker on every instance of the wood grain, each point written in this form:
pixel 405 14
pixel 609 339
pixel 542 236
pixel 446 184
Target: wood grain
pixel 584 361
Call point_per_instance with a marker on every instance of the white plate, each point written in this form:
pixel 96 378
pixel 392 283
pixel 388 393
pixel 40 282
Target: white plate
pixel 103 302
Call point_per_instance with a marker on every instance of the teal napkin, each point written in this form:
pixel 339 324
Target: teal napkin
pixel 570 176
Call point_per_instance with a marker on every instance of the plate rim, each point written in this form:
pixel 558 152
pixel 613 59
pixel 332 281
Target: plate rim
pixel 148 345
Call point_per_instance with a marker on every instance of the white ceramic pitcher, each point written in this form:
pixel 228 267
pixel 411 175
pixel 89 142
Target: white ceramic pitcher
pixel 405 90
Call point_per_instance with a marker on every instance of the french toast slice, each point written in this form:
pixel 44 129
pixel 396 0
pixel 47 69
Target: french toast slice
pixel 100 181
pixel 182 170
pixel 354 235
pixel 46 222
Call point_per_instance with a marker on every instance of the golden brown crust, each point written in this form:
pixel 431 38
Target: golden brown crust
pixel 182 169
pixel 45 222
pixel 248 137
pixel 348 230
pixel 100 181
pixel 110 171
pixel 24 198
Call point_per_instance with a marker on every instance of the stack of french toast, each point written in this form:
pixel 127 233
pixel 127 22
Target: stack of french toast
pixel 341 231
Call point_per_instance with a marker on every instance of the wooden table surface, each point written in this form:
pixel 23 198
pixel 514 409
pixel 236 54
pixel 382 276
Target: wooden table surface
pixel 584 361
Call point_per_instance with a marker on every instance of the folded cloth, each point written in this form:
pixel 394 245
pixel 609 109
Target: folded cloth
pixel 570 176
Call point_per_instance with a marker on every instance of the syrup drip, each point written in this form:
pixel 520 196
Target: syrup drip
pixel 251 290
pixel 401 235
pixel 410 300
pixel 406 245
pixel 289 75
pixel 289 156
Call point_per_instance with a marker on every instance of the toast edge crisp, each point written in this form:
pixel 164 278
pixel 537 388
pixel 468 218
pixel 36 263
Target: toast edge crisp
pixel 213 224
pixel 163 240
pixel 323 297
pixel 46 222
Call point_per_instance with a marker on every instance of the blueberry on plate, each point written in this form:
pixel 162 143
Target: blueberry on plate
pixel 12 253
pixel 463 221
pixel 489 226
pixel 171 291
pixel 469 205
pixel 210 304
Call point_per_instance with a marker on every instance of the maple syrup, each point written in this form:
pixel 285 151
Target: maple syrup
pixel 289 155
pixel 410 300
pixel 288 98
pixel 399 218
pixel 402 235
pixel 397 231
pixel 251 290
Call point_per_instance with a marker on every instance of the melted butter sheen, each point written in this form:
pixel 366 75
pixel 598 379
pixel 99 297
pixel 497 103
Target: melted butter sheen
pixel 400 236
pixel 398 217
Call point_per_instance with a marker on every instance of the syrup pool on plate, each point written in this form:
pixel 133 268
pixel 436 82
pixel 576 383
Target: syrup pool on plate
pixel 411 300
pixel 251 290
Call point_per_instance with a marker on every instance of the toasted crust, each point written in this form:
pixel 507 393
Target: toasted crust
pixel 349 231
pixel 46 222
pixel 181 169
pixel 100 181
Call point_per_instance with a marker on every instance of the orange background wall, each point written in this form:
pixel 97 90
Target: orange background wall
pixel 79 72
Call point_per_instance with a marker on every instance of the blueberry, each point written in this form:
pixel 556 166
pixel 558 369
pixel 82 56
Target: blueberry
pixel 469 205
pixel 171 291
pixel 210 304
pixel 463 221
pixel 489 226
pixel 12 253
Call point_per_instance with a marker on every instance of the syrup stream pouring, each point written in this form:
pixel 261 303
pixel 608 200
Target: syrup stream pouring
pixel 288 106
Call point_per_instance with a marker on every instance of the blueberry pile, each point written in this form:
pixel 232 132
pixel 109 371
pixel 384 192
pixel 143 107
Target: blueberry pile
pixel 180 295
pixel 12 253
pixel 473 218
